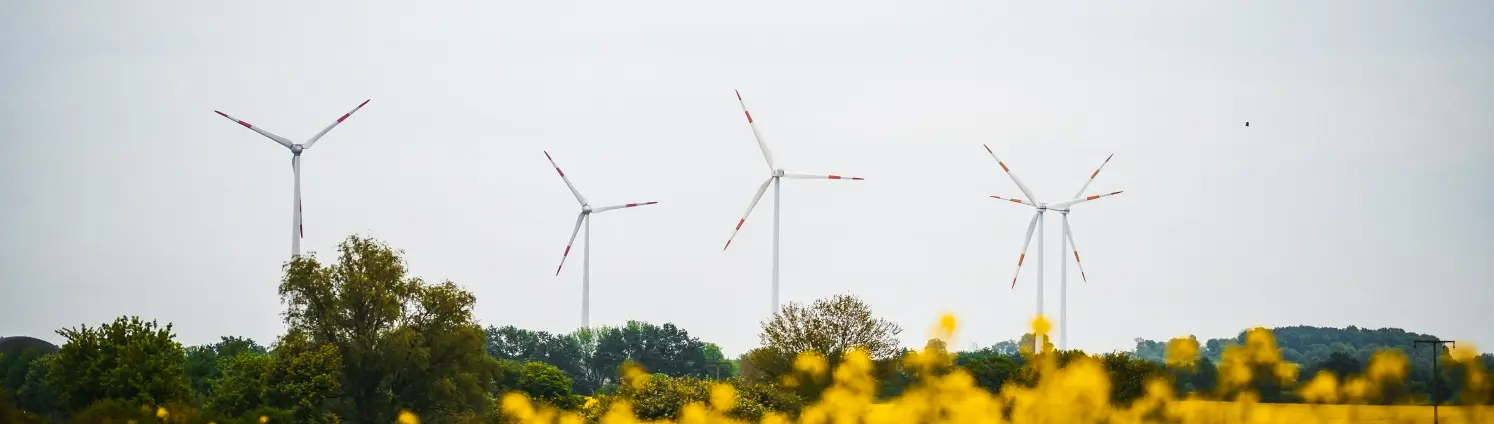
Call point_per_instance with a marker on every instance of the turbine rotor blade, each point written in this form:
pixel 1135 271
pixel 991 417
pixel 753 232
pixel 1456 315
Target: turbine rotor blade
pixel 804 176
pixel 1065 204
pixel 755 198
pixel 579 217
pixel 579 198
pixel 1092 176
pixel 1013 200
pixel 630 205
pixel 767 154
pixel 278 139
pixel 1070 235
pixel 345 116
pixel 1031 226
pixel 1008 171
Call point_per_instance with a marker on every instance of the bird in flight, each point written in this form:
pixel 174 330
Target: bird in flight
pixel 1247 123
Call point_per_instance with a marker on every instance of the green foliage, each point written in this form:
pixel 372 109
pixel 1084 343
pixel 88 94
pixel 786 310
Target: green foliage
pixel 1129 375
pixel 402 343
pixel 990 369
pixel 129 360
pixel 662 397
pixel 664 349
pixel 204 364
pixel 832 327
pixel 546 383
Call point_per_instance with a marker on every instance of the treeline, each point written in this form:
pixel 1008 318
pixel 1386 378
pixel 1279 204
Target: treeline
pixel 1342 351
pixel 366 341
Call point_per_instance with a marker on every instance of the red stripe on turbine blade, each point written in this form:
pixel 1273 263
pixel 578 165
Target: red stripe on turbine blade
pixel 1085 277
pixel 246 125
pixel 1115 193
pixel 858 179
pixel 1092 176
pixel 749 116
pixel 562 173
pixel 834 177
pixel 222 114
pixel 739 225
pixel 1014 282
pixel 1092 197
pixel 303 230
pixel 728 244
pixel 1003 167
pixel 1020 258
pixel 988 149
pixel 630 205
pixel 360 105
pixel 547 156
pixel 1076 256
pixel 344 116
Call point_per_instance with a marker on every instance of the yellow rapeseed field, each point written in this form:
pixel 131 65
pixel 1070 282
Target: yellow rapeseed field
pixel 1075 393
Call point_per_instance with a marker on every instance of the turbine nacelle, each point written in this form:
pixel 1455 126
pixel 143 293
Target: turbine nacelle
pixel 778 172
pixel 586 209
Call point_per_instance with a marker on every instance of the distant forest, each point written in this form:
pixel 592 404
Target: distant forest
pixel 1342 350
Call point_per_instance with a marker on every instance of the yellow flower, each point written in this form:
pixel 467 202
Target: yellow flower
pixel 263 419
pixel 723 397
pixel 1041 326
pixel 162 413
pixel 1463 351
pixel 407 417
pixel 1182 352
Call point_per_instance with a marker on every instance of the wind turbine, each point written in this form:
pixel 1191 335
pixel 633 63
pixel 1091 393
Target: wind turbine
pixel 1037 224
pixel 297 231
pixel 586 211
pixel 774 175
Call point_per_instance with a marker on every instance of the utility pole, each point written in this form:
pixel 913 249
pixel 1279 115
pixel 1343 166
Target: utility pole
pixel 1436 343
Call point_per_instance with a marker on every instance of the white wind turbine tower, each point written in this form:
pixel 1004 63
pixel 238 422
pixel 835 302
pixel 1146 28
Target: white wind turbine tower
pixel 297 231
pixel 1037 223
pixel 774 175
pixel 584 216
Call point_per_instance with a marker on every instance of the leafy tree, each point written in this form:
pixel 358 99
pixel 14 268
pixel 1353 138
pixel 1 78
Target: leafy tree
pixel 35 395
pixel 665 349
pixel 564 351
pixel 990 369
pixel 403 343
pixel 545 383
pixel 1341 364
pixel 203 364
pixel 830 327
pixel 662 397
pixel 1129 375
pixel 129 360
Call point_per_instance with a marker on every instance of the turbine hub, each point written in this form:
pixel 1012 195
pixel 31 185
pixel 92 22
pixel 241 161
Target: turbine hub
pixel 1042 207
pixel 296 149
pixel 778 172
pixel 585 208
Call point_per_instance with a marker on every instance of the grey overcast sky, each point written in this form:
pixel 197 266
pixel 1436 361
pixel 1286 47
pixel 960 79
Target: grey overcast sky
pixel 1359 195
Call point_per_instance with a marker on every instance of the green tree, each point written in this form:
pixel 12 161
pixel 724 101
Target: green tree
pixel 990 369
pixel 203 364
pixel 404 344
pixel 129 360
pixel 546 383
pixel 1129 375
pixel 664 349
pixel 830 327
pixel 1342 364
